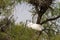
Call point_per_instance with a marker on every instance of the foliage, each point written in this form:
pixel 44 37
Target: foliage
pixel 21 32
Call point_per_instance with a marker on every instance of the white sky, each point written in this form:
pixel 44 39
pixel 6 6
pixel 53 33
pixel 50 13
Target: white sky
pixel 21 12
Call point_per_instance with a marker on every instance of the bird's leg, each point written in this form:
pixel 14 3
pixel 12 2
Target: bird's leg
pixel 39 33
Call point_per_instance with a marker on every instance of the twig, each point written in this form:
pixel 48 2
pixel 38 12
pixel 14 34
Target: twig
pixel 39 35
pixel 51 19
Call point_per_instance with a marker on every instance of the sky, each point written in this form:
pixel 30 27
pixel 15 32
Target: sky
pixel 21 12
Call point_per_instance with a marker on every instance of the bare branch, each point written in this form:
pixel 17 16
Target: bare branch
pixel 51 19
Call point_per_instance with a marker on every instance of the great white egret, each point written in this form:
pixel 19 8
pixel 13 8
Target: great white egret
pixel 35 26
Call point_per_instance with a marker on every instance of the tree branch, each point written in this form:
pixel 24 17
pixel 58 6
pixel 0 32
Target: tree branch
pixel 51 19
pixel 40 13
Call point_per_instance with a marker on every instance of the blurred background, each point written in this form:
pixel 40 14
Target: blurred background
pixel 13 19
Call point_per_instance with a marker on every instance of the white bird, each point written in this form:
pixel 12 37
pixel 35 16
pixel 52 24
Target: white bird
pixel 35 26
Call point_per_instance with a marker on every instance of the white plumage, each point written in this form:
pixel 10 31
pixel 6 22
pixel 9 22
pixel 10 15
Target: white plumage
pixel 37 27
